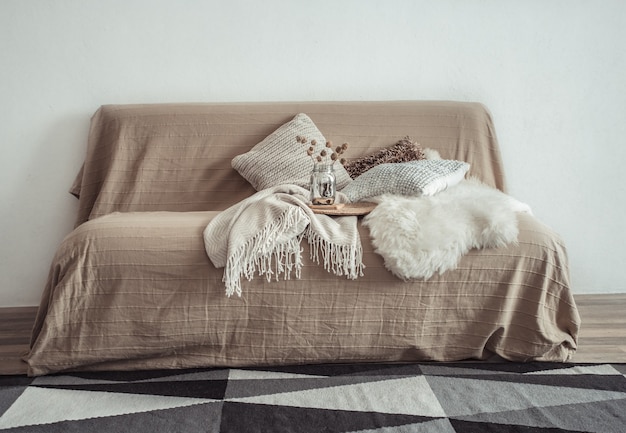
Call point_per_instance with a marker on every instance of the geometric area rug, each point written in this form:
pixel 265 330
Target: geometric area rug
pixel 388 398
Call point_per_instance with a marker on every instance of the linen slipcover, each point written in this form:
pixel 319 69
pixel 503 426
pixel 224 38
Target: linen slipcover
pixel 132 288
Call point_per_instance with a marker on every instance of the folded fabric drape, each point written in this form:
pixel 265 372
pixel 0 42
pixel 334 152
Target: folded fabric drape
pixel 263 232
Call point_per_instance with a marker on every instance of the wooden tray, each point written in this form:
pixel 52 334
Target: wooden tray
pixel 343 209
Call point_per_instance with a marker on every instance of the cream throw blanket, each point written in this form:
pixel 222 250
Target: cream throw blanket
pixel 262 234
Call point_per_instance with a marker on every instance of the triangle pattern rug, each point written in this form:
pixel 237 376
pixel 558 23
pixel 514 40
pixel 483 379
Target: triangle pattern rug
pixel 388 398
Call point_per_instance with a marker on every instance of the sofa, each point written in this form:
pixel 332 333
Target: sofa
pixel 133 287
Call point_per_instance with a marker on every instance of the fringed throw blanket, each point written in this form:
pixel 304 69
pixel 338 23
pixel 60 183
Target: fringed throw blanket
pixel 420 236
pixel 262 234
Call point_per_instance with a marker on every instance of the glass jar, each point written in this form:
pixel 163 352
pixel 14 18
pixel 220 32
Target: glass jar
pixel 323 184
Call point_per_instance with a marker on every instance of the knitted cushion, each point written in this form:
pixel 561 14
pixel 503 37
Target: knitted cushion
pixel 280 159
pixel 424 177
pixel 404 150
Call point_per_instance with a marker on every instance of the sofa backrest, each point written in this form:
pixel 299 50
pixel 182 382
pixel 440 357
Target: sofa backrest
pixel 177 157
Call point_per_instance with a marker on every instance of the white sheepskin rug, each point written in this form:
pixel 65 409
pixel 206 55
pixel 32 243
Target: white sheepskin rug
pixel 419 236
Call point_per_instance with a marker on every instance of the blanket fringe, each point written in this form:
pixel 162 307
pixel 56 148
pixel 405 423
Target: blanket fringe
pixel 265 255
pixel 340 259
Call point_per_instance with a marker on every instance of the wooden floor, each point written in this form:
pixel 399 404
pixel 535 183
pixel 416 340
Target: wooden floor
pixel 602 335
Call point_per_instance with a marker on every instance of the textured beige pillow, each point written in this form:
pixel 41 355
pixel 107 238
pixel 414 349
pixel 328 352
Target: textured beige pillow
pixel 404 150
pixel 280 159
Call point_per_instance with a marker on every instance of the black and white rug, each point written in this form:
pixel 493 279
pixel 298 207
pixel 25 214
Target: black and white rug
pixel 388 398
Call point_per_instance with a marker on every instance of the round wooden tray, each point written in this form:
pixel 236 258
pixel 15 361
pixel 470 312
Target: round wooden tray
pixel 344 209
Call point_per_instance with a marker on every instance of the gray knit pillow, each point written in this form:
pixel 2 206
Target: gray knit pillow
pixel 415 178
pixel 280 159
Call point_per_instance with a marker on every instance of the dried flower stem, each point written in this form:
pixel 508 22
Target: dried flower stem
pixel 326 153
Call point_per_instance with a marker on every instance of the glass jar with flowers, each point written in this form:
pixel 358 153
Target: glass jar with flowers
pixel 323 184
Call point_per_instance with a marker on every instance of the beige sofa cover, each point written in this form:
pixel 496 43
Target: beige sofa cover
pixel 132 288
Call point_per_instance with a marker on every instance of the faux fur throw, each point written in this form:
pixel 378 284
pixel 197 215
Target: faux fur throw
pixel 419 236
pixel 262 234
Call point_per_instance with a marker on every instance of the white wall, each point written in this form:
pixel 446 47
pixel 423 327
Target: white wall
pixel 551 72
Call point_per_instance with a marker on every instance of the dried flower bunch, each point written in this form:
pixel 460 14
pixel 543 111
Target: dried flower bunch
pixel 327 153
